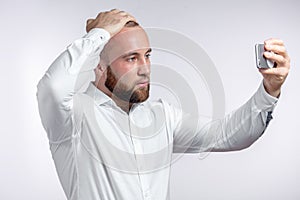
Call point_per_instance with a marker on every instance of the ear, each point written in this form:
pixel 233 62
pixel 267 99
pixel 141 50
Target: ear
pixel 99 68
pixel 98 73
pixel 102 65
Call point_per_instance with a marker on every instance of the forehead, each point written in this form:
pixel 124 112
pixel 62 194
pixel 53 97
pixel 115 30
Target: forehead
pixel 127 40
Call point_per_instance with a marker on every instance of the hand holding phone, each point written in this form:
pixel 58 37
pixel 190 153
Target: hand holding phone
pixel 261 61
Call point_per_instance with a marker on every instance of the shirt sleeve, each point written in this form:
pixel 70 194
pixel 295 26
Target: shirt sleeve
pixel 63 79
pixel 236 131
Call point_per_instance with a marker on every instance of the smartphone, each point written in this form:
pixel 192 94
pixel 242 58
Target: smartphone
pixel 261 61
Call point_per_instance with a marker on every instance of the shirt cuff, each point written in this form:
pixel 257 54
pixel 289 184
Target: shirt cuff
pixel 99 37
pixel 263 100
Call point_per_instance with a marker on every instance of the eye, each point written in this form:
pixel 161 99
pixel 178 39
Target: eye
pixel 131 59
pixel 148 55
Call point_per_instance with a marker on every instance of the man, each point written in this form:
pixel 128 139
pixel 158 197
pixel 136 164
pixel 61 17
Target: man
pixel 109 142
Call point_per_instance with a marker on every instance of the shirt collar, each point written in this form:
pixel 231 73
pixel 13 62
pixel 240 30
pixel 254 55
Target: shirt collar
pixel 99 97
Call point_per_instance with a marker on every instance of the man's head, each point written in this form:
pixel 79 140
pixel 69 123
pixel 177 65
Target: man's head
pixel 126 65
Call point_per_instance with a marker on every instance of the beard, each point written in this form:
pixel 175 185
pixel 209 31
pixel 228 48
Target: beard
pixel 120 90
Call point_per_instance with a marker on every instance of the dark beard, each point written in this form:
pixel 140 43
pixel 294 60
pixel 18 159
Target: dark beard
pixel 136 96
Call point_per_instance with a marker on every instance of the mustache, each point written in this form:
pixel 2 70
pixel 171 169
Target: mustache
pixel 143 80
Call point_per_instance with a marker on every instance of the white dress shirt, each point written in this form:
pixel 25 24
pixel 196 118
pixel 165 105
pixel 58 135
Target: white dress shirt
pixel 103 153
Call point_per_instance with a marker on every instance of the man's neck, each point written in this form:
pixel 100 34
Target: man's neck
pixel 124 105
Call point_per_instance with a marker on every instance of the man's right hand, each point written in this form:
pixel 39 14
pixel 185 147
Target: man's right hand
pixel 112 21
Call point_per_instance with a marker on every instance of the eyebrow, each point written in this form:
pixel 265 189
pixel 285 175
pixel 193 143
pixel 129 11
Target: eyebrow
pixel 135 53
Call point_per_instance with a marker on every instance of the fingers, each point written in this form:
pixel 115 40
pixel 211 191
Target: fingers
pixel 114 10
pixel 276 51
pixel 121 12
pixel 279 49
pixel 279 59
pixel 89 21
pixel 273 41
pixel 129 18
pixel 275 77
pixel 118 12
pixel 125 16
pixel 274 71
pixel 112 21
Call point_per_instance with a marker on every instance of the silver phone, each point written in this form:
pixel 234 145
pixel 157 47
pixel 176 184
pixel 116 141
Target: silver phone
pixel 261 61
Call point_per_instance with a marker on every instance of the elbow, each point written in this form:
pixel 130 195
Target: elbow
pixel 243 146
pixel 45 89
pixel 48 89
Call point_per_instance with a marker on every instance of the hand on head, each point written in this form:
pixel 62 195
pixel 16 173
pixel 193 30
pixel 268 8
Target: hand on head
pixel 112 21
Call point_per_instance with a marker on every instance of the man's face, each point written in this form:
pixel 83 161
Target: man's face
pixel 128 73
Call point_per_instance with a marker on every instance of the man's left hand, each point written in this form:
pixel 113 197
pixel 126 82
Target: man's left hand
pixel 275 77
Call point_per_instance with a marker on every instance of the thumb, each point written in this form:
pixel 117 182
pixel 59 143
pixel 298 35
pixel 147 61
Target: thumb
pixel 88 23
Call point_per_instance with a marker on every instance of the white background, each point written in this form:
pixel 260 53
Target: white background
pixel 34 32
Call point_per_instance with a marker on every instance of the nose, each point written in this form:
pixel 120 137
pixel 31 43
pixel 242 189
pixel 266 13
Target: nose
pixel 144 67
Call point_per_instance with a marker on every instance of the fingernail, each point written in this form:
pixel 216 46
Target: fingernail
pixel 268 54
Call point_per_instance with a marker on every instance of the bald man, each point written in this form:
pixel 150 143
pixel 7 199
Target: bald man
pixel 109 142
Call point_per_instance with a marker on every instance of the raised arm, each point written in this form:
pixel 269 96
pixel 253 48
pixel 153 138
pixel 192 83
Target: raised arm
pixel 56 89
pixel 241 128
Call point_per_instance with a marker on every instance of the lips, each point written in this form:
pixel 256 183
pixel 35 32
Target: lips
pixel 143 83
